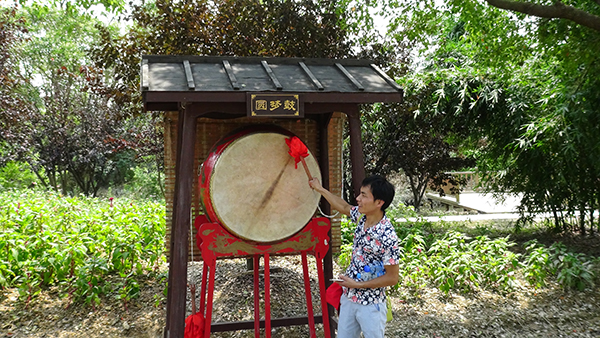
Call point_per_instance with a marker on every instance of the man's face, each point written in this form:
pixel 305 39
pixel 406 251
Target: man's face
pixel 366 203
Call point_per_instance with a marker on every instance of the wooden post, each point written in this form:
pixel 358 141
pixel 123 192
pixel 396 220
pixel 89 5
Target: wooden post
pixel 176 298
pixel 356 149
pixel 323 124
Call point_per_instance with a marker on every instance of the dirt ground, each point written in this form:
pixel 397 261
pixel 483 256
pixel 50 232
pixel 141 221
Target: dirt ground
pixel 526 312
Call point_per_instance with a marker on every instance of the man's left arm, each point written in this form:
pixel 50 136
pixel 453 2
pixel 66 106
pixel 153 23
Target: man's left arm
pixel 390 278
pixel 392 271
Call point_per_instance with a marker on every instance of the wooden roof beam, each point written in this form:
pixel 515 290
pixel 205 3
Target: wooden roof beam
pixel 387 79
pixel 312 76
pixel 269 71
pixel 188 75
pixel 354 81
pixel 230 74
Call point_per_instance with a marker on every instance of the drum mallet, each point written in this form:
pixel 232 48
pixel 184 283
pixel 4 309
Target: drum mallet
pixel 298 151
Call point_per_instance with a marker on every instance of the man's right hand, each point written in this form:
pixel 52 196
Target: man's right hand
pixel 336 202
pixel 316 185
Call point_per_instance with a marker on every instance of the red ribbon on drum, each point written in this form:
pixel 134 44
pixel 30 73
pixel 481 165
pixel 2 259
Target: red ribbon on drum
pixel 298 151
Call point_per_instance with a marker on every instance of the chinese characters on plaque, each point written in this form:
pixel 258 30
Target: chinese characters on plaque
pixel 275 105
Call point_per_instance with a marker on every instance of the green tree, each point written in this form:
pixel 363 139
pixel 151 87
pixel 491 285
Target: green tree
pixel 527 90
pixel 412 138
pixel 70 129
pixel 417 146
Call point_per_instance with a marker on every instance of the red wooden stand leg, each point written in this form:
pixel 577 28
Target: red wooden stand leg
pixel 256 299
pixel 323 292
pixel 311 317
pixel 267 297
pixel 209 303
pixel 203 287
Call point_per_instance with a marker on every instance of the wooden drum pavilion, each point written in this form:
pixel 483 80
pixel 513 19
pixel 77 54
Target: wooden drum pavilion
pixel 205 98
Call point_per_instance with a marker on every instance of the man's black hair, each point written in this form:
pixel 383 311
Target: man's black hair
pixel 381 189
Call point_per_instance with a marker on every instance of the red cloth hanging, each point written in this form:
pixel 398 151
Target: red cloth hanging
pixel 194 326
pixel 333 295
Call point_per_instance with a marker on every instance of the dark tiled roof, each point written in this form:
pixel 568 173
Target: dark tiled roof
pixel 167 79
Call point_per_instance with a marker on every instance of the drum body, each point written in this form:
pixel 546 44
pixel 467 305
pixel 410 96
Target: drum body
pixel 250 185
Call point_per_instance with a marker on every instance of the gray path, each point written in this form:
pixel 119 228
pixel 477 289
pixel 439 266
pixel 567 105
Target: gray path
pixel 487 206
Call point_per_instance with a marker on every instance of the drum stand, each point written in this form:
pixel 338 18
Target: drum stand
pixel 214 241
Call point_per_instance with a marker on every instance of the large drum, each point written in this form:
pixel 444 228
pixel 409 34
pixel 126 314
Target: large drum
pixel 249 184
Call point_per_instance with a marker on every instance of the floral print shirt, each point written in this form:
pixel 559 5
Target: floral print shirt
pixel 372 246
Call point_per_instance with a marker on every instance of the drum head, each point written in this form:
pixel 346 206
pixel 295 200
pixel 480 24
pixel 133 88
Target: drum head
pixel 256 191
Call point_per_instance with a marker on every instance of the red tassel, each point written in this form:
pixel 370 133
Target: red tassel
pixel 297 149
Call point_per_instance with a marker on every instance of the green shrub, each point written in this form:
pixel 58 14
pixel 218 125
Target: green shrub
pixel 573 270
pixel 77 243
pixel 536 263
pixel 345 256
pixel 401 210
pixel 457 262
pixel 413 258
pixel 16 175
pixel 452 261
pixel 347 228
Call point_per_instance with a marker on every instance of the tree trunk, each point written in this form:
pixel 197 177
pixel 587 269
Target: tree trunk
pixel 582 220
pixel 39 176
pixel 63 182
pixel 557 10
pixel 52 179
pixel 557 224
pixel 592 218
pixel 415 190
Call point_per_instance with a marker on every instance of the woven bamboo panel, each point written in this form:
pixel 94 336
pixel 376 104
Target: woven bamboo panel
pixel 209 131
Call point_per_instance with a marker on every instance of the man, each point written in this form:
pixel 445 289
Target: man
pixel 362 305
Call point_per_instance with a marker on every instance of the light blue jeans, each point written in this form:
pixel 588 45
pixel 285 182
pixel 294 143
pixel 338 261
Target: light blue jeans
pixel 354 318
